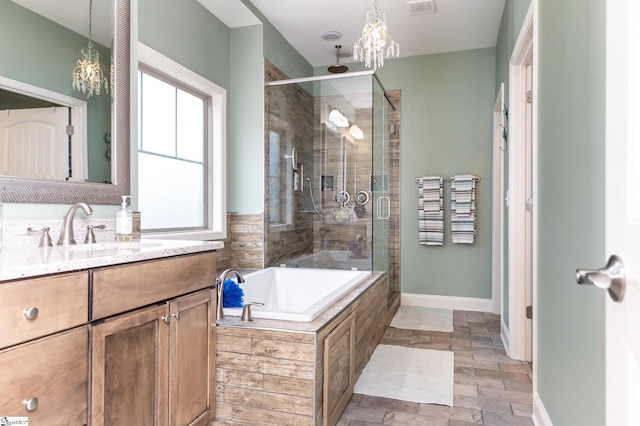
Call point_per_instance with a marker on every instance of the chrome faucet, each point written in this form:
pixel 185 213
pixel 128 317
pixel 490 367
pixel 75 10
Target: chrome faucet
pixel 220 290
pixel 66 234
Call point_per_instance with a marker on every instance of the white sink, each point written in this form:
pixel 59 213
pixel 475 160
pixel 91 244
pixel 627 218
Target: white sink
pixel 130 246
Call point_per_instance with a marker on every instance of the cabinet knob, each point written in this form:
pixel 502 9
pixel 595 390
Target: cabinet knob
pixel 30 313
pixel 176 315
pixel 30 404
pixel 166 319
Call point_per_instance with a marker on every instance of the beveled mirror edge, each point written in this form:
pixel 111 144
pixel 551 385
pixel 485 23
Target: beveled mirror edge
pixel 21 190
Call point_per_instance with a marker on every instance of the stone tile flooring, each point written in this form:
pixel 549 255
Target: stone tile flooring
pixel 489 387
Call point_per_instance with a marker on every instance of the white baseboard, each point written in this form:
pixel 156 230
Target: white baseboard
pixel 539 416
pixel 446 302
pixel 504 336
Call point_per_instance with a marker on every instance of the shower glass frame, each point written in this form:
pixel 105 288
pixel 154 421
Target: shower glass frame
pixel 334 229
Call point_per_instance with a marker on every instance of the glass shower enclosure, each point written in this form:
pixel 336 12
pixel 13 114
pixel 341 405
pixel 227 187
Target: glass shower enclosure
pixel 328 200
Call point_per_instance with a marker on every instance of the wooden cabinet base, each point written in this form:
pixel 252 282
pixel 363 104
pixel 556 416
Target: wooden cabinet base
pixel 58 380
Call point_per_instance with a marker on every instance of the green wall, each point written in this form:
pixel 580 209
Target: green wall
pixel 245 169
pixel 571 147
pixel 250 46
pixel 447 103
pixel 187 33
pixel 278 51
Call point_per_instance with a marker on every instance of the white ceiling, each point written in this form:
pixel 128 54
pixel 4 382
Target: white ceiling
pixel 456 25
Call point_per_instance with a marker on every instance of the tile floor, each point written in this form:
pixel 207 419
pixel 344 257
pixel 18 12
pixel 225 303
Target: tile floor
pixel 489 388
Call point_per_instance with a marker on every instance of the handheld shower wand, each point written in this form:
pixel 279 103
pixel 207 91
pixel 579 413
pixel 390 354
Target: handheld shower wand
pixel 312 200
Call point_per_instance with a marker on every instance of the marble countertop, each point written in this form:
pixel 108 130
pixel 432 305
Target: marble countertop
pixel 23 262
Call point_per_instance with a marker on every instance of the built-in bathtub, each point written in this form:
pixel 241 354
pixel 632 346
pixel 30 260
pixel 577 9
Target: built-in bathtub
pixel 296 294
pixel 331 259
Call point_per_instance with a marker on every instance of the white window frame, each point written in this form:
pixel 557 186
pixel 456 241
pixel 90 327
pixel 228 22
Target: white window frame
pixel 216 153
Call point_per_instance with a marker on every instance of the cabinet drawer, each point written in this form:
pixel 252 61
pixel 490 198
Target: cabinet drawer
pixel 52 369
pixel 61 301
pixel 122 288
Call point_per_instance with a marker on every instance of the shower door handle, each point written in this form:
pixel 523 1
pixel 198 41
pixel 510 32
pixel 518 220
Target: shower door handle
pixel 379 202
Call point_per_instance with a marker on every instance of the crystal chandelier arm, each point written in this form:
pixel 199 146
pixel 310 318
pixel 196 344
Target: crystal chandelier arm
pixel 87 75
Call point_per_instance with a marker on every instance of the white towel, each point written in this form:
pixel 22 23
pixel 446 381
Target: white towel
pixel 463 209
pixel 430 215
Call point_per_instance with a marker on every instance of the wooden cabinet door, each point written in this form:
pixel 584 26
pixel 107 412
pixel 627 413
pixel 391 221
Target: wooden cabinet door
pixel 192 359
pixel 339 348
pixel 129 369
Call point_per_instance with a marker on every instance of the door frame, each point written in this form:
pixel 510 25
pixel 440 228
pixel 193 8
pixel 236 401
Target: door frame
pixel 79 114
pixel 524 53
pixel 497 243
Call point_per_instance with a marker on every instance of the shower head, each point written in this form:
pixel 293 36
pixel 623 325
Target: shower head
pixel 337 68
pixel 309 179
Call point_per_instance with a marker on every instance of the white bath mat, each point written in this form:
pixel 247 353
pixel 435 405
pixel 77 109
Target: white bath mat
pixel 419 318
pixel 409 374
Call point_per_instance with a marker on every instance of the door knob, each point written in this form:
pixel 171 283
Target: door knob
pixel 610 278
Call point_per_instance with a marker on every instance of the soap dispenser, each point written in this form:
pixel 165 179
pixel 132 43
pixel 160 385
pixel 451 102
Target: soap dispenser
pixel 124 222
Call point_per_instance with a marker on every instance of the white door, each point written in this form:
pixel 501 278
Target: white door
pixel 34 143
pixel 623 209
pixel 529 219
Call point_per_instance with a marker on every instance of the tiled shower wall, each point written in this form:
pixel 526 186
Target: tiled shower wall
pixel 243 246
pixel 394 190
pixel 289 112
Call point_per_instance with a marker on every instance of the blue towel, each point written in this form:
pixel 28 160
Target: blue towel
pixel 232 295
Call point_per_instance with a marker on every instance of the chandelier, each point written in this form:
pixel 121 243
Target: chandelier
pixel 87 75
pixel 375 42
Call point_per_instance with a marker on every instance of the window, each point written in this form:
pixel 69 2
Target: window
pixel 181 155
pixel 280 187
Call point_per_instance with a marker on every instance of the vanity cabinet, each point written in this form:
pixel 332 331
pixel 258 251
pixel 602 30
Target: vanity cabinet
pixel 156 365
pixel 46 379
pixel 127 344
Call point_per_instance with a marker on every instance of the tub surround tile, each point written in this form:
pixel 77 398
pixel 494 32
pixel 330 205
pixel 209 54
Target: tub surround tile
pixel 285 359
pixel 288 111
pixel 287 385
pixel 246 240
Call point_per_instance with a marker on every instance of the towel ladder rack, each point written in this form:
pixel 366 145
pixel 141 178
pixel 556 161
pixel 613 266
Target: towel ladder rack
pixel 475 178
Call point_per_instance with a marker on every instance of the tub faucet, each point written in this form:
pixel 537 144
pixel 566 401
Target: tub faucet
pixel 220 290
pixel 66 234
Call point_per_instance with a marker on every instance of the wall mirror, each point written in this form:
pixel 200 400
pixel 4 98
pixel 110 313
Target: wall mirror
pixel 39 63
